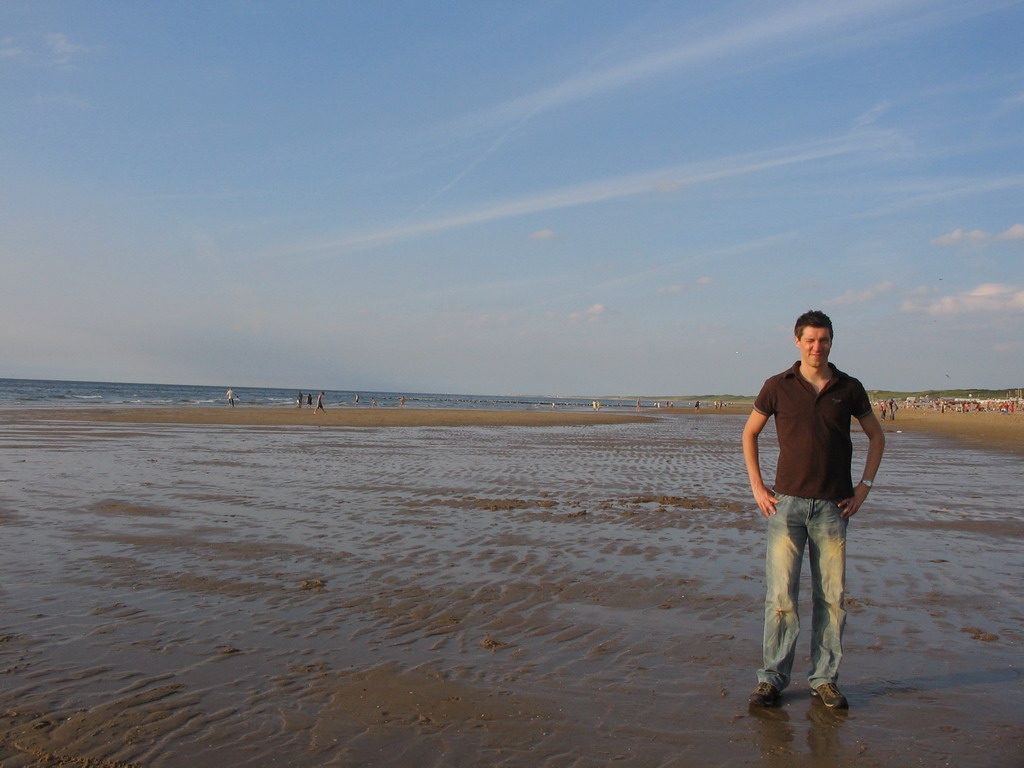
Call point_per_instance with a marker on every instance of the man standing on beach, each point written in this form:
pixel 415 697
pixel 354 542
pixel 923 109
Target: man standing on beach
pixel 811 503
pixel 231 397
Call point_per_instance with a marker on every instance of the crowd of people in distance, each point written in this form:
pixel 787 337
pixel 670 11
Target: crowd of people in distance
pixel 1008 405
pixel 357 400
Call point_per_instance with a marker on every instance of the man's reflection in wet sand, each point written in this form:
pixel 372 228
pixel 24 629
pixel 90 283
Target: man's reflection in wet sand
pixel 777 736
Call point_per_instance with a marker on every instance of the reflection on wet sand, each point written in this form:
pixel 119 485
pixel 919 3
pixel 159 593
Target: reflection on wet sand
pixel 180 595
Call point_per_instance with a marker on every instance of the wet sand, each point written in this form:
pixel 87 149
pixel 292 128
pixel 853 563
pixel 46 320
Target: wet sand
pixel 470 594
pixel 986 430
pixel 341 417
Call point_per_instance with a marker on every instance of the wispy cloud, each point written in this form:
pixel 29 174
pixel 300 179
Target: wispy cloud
pixel 591 315
pixel 783 32
pixel 861 297
pixel 54 48
pixel 978 237
pixel 1016 232
pixel 63 100
pixel 544 234
pixel 988 298
pixel 62 48
pixel 924 192
pixel 8 48
pixel 680 288
pixel 606 190
pixel 960 236
pixel 1012 102
pixel 719 47
pixel 872 116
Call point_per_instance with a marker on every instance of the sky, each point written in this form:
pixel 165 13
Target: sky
pixel 556 197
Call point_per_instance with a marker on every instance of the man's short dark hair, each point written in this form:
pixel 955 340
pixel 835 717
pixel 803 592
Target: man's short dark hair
pixel 814 319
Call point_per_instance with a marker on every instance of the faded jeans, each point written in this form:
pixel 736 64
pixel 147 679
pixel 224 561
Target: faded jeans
pixel 816 525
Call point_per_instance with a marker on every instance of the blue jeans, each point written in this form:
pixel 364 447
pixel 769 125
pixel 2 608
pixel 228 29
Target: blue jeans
pixel 816 525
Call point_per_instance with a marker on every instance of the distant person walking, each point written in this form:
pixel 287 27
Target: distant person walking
pixel 309 400
pixel 320 403
pixel 809 506
pixel 231 397
pixel 298 401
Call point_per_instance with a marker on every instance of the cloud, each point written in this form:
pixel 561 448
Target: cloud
pixel 603 190
pixel 1014 101
pixel 544 234
pixel 681 288
pixel 55 48
pixel 66 100
pixel 978 237
pixel 62 48
pixel 592 315
pixel 860 297
pixel 869 118
pixel 959 237
pixel 1016 232
pixel 784 30
pixel 8 50
pixel 988 298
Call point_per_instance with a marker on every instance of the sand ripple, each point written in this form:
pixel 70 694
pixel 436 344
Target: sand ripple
pixel 462 596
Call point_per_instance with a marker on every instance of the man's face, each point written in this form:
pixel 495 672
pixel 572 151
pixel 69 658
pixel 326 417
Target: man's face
pixel 814 345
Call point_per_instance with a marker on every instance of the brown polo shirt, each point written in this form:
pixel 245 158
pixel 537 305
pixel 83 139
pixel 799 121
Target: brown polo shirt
pixel 815 449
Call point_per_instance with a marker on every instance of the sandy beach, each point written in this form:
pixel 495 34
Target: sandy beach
pixel 248 587
pixel 342 417
pixel 984 429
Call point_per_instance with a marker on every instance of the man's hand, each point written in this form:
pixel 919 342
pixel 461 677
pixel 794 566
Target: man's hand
pixel 766 501
pixel 850 506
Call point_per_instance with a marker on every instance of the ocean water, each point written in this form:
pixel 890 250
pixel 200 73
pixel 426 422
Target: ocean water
pixel 41 393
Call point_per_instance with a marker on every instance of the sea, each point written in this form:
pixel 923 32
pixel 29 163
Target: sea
pixel 45 393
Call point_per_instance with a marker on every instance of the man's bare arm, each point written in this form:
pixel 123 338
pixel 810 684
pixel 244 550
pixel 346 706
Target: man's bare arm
pixel 765 499
pixel 876 447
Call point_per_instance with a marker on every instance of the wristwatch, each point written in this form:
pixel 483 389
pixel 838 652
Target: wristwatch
pixel 868 483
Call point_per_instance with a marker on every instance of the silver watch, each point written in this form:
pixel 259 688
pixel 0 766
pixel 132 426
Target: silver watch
pixel 868 483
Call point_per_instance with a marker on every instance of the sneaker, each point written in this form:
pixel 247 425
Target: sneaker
pixel 765 695
pixel 830 696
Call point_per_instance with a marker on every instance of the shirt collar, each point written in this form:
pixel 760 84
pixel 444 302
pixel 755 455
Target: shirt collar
pixel 792 372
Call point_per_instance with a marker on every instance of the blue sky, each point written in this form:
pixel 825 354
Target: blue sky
pixel 558 197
